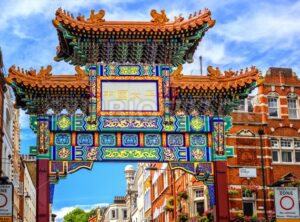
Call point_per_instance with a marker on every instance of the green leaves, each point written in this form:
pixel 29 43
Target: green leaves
pixel 76 215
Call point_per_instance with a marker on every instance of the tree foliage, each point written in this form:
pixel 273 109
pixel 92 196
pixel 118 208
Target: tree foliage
pixel 76 215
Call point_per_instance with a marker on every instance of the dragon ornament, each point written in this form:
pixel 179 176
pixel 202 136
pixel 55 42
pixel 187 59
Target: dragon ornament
pixel 158 18
pixel 94 17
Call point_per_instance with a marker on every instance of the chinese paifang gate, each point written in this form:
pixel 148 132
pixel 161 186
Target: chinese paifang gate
pixel 129 101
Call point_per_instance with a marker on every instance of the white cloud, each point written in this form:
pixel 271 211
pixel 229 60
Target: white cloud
pixel 215 54
pixel 65 210
pixel 24 120
pixel 267 24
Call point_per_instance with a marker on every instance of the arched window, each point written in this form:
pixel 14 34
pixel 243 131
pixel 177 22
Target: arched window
pixel 273 105
pixel 292 105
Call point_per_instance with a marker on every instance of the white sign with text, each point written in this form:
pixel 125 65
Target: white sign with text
pixel 248 172
pixel 6 194
pixel 287 202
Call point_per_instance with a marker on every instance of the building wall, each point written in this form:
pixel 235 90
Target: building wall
pixel 163 191
pixel 147 195
pixel 118 208
pixel 7 146
pixel 139 214
pixel 29 197
pixel 21 190
pixel 135 195
pixel 131 191
pixel 280 84
pixel 2 91
pixel 15 163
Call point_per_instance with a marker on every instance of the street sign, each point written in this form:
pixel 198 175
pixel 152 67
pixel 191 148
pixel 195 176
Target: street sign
pixel 287 202
pixel 247 172
pixel 6 202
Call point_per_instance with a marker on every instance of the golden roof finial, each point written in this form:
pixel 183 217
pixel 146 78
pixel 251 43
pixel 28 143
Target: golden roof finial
pixel 79 72
pixel 213 72
pixel 177 72
pixel 158 18
pixel 98 17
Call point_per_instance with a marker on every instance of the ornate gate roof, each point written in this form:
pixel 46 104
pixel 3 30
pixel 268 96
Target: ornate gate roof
pixel 39 91
pixel 159 41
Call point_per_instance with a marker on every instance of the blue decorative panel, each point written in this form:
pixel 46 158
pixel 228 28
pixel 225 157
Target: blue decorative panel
pixel 85 139
pixel 64 123
pixel 175 140
pixel 212 199
pixel 62 139
pixel 152 140
pixel 130 140
pixel 150 124
pixel 107 139
pixel 199 154
pixel 137 153
pixel 62 152
pixel 204 168
pixel 175 153
pixel 87 153
pixel 197 123
pixel 198 140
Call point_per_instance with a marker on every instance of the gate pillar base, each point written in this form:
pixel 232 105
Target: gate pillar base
pixel 42 191
pixel 221 191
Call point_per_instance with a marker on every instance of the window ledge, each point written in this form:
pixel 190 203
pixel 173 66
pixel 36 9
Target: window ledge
pixel 284 163
pixel 275 118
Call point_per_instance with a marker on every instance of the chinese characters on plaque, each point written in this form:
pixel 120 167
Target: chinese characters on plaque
pixel 129 96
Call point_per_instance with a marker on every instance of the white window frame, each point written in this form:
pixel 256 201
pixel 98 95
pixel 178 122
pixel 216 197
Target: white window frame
pixel 199 199
pixel 274 96
pixel 115 212
pixel 297 151
pixel 147 199
pixel 278 156
pixel 155 189
pixel 292 146
pixel 165 176
pixel 287 141
pixel 124 211
pixel 195 206
pixel 293 97
pixel 287 151
pixel 199 190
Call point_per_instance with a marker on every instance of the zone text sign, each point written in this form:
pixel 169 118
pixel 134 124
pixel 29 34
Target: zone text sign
pixel 287 202
pixel 6 207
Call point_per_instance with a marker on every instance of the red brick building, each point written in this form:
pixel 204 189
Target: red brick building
pixel 274 111
pixel 167 185
pixel 2 91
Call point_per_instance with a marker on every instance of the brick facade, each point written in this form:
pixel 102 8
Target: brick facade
pixel 2 91
pixel 167 184
pixel 276 112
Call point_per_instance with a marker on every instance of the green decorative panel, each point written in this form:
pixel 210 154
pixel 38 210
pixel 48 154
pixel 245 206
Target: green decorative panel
pixel 229 151
pixel 131 154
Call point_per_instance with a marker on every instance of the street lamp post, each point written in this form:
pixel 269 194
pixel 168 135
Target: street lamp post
pixel 261 133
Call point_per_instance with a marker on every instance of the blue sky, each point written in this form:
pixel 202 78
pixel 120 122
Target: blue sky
pixel 263 33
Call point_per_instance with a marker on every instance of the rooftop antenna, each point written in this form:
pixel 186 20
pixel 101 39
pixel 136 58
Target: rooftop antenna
pixel 200 60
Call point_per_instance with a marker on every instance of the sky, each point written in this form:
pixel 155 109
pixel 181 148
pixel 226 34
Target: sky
pixel 264 33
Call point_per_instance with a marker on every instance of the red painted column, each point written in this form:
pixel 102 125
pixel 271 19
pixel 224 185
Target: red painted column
pixel 221 191
pixel 42 194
